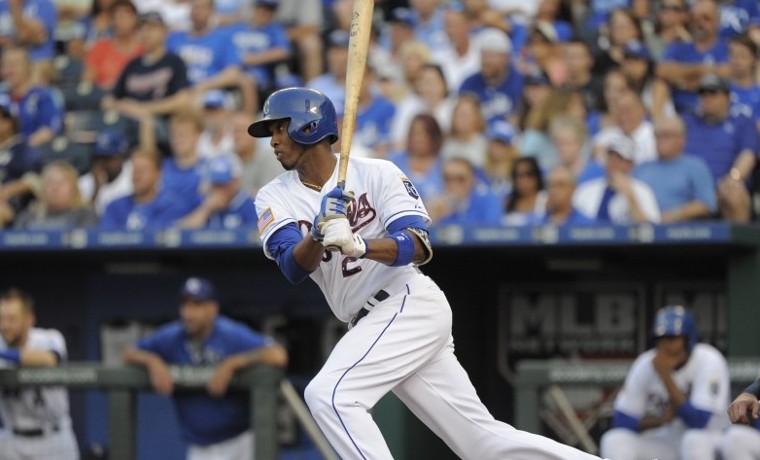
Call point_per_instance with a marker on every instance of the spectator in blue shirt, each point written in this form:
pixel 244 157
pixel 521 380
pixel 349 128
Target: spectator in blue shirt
pixel 560 187
pixel 736 15
pixel 30 24
pixel 39 116
pixel 683 64
pixel 19 166
pixel 727 143
pixel 745 92
pixel 216 423
pixel 227 205
pixel 465 200
pixel 332 83
pixel 148 206
pixel 682 184
pixel 185 170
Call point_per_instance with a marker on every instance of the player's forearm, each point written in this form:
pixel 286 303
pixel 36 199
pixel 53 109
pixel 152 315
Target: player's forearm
pixel 273 355
pixel 141 358
pixel 227 77
pixel 308 254
pixel 39 358
pixel 265 57
pixel 387 250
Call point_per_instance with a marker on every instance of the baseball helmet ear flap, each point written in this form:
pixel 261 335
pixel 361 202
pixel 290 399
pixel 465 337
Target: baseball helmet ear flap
pixel 675 320
pixel 312 116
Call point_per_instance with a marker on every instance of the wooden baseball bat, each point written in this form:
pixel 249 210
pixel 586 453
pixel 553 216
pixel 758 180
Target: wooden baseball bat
pixel 358 46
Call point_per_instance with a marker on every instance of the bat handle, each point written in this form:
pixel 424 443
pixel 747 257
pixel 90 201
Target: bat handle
pixel 342 184
pixel 332 248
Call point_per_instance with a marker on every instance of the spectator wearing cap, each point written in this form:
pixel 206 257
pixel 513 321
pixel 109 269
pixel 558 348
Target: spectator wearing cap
pixel 227 204
pixel 497 84
pixel 570 140
pixel 617 197
pixel 745 90
pixel 215 424
pixel 110 171
pixel 216 138
pixel 466 138
pixel 682 184
pixel 29 24
pixel 578 63
pixel 561 184
pixel 19 168
pixel 684 64
pixel 40 117
pixel 148 206
pixel 460 58
pixel 333 82
pixel 465 200
pixel 735 16
pixel 501 154
pixel 728 143
pixel 108 56
pixel 261 43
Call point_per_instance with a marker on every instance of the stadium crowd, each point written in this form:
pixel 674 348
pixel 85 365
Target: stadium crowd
pixel 132 114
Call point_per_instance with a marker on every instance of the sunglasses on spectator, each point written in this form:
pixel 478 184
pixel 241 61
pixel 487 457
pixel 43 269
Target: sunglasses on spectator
pixel 672 8
pixel 708 92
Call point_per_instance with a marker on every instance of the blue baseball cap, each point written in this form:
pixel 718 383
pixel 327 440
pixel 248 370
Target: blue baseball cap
pixel 636 50
pixel 110 143
pixel 338 38
pixel 537 77
pixel 403 16
pixel 222 169
pixel 500 130
pixel 198 289
pixel 215 99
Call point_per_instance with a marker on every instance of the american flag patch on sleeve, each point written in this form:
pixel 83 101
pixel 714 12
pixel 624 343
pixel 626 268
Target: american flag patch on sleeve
pixel 265 220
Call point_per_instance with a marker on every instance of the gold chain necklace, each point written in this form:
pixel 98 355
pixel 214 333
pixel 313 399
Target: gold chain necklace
pixel 315 187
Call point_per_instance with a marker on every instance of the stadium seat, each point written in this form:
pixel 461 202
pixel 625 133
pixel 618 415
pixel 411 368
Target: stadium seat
pixel 77 154
pixel 83 96
pixel 83 126
pixel 69 72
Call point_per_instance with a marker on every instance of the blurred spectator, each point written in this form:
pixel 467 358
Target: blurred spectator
pixel 413 55
pixel 745 91
pixel 110 172
pixel 560 187
pixel 558 14
pixel 40 118
pixel 429 24
pixel 578 62
pixel 673 402
pixel 333 82
pixel 421 161
pixel 29 24
pixel 631 121
pixel 108 56
pixel 211 59
pixel 543 53
pixel 684 64
pixel 148 206
pixel 735 16
pixel 261 43
pixel 183 172
pixel 465 200
pixel 460 58
pixel 19 165
pixel 227 205
pixel 466 138
pixel 60 206
pixel 374 118
pixel 671 26
pixel 153 82
pixel 527 200
pixel 216 138
pixel 92 26
pixel 617 197
pixel 615 84
pixel 398 31
pixel 681 183
pixel 256 156
pixel 217 424
pixel 638 69
pixel 623 27
pixel 431 96
pixel 493 13
pixel 303 19
pixel 727 143
pixel 497 84
pixel 36 419
pixel 536 141
pixel 500 157
pixel 536 90
pixel 570 140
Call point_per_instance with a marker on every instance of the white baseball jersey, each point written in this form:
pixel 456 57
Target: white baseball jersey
pixel 403 344
pixel 346 282
pixel 588 197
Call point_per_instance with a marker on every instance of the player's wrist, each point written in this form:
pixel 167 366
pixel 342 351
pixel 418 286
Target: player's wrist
pixel 12 354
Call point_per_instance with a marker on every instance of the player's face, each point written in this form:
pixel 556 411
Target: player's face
pixel 14 322
pixel 673 349
pixel 197 317
pixel 288 151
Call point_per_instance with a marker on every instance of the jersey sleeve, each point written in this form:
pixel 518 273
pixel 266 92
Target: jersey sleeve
pixel 711 388
pixel 55 342
pixel 272 215
pixel 159 342
pixel 246 339
pixel 399 196
pixel 632 399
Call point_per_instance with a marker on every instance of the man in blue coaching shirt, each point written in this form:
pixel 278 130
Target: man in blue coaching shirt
pixel 216 421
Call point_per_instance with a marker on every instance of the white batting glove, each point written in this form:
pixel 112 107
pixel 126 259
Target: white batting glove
pixel 338 235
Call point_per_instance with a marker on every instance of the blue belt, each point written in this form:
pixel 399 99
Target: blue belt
pixel 380 296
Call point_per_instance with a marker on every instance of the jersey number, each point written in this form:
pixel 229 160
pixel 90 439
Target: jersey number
pixel 345 268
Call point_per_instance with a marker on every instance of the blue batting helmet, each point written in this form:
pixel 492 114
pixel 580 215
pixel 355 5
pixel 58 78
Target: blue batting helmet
pixel 311 114
pixel 676 321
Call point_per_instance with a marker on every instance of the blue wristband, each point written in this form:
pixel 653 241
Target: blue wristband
pixel 405 242
pixel 753 389
pixel 11 355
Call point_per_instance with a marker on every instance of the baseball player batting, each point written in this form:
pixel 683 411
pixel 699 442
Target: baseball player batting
pixel 399 336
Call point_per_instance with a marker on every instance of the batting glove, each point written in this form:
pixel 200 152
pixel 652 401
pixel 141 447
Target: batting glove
pixel 337 234
pixel 335 204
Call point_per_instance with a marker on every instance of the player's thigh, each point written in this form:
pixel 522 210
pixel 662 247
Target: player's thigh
pixel 740 442
pixel 621 443
pixel 700 444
